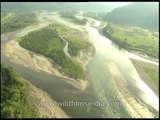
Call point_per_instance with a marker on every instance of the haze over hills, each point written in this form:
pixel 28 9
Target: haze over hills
pixel 142 14
pixel 86 6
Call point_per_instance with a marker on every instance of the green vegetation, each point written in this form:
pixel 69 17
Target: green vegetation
pixel 142 14
pixel 133 38
pixel 6 16
pixel 12 21
pixel 70 15
pixel 153 73
pixel 79 22
pixel 47 42
pixel 149 73
pixel 75 38
pixel 75 46
pixel 14 96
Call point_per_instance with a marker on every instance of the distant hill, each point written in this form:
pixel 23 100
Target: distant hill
pixel 64 6
pixel 142 14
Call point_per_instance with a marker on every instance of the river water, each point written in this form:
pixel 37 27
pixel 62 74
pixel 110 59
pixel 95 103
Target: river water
pixel 106 50
pixel 101 85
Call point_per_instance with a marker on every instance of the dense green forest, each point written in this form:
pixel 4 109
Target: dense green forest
pixel 133 38
pixel 14 96
pixel 15 20
pixel 142 14
pixel 47 42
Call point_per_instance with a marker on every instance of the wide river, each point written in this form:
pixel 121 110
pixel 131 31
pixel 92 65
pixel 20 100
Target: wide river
pixel 101 85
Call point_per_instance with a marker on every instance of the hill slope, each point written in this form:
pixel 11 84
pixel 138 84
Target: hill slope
pixel 142 14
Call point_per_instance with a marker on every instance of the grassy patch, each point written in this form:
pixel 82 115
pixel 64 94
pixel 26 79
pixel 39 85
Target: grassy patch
pixel 149 73
pixel 152 73
pixel 133 38
pixel 47 42
pixel 76 39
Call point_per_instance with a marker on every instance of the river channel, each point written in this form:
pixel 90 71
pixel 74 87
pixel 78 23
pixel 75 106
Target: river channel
pixel 101 85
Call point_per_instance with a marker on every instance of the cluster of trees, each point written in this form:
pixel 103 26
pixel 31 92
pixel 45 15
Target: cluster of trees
pixel 14 101
pixel 48 43
pixel 132 39
pixel 17 21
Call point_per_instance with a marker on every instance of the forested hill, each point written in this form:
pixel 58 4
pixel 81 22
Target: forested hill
pixel 142 14
pixel 60 6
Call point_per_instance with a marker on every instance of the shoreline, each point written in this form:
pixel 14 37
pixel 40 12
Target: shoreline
pixel 36 62
pixel 143 75
pixel 132 53
pixel 143 56
pixel 134 107
pixel 39 96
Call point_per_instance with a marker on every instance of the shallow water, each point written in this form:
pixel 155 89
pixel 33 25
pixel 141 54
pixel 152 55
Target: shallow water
pixel 100 86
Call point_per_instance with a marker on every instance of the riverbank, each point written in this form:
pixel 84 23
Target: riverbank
pixel 142 57
pixel 36 62
pixel 98 79
pixel 149 73
pixel 38 97
pixel 24 100
pixel 132 38
pixel 135 108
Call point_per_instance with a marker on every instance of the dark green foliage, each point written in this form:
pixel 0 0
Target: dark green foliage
pixel 47 42
pixel 14 96
pixel 17 21
pixel 143 14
